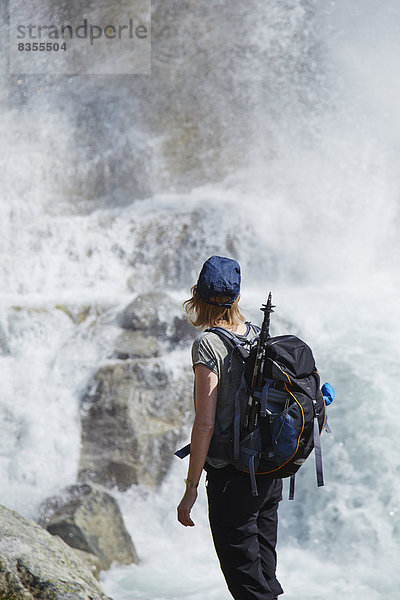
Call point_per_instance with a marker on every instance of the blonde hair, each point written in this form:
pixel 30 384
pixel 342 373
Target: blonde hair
pixel 202 314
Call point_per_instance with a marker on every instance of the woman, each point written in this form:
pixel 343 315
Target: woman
pixel 243 526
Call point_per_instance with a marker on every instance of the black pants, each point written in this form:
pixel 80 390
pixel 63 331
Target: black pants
pixel 244 530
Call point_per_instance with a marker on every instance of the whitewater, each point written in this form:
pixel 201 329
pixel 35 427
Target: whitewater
pixel 302 188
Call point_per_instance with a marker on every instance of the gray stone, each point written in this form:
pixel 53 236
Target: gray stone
pixel 135 344
pixel 156 314
pixel 91 561
pixel 132 416
pixel 182 331
pixel 149 312
pixel 35 565
pixel 88 518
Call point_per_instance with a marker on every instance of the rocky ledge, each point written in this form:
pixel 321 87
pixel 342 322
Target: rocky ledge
pixel 35 565
pixel 88 519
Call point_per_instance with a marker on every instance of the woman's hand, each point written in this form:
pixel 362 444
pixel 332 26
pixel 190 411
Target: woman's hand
pixel 186 505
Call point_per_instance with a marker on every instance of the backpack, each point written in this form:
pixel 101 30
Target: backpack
pixel 275 433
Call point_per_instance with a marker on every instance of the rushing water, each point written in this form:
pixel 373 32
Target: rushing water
pixel 268 132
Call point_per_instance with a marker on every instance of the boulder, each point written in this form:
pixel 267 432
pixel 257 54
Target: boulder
pixel 35 565
pixel 132 416
pixel 135 344
pixel 182 331
pixel 88 518
pixel 155 314
pixel 148 312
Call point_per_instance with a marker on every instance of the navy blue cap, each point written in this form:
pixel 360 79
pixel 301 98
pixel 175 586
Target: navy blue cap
pixel 219 276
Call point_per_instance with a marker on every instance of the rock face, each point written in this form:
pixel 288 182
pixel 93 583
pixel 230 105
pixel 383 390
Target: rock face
pixel 134 409
pixel 154 315
pixel 135 344
pixel 132 415
pixel 91 561
pixel 35 565
pixel 88 519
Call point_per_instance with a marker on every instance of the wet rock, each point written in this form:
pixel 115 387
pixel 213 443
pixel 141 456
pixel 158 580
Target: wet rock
pixel 132 416
pixel 35 565
pixel 182 330
pixel 91 561
pixel 88 519
pixel 155 314
pixel 149 312
pixel 135 344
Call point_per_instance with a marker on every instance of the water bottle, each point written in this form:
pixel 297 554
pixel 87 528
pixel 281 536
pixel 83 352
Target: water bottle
pixel 328 392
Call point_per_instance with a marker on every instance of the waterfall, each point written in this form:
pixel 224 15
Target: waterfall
pixel 268 132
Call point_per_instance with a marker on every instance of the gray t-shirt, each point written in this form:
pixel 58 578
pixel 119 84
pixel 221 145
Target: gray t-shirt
pixel 210 350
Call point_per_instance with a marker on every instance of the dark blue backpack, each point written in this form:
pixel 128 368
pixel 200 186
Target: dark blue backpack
pixel 276 437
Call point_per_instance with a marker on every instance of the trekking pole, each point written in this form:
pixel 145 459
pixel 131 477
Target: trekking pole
pixel 256 380
pixel 267 309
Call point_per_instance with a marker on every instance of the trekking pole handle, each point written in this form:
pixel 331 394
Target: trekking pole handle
pixel 267 309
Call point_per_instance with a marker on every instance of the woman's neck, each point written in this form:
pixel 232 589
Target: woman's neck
pixel 239 328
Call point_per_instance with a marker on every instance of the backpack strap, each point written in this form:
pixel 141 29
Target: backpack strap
pixel 253 482
pixel 183 452
pixel 317 448
pixel 236 424
pixel 231 339
pixel 292 484
pixel 255 328
pixel 264 397
pixel 238 345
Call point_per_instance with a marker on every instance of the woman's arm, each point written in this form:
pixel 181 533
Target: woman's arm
pixel 206 383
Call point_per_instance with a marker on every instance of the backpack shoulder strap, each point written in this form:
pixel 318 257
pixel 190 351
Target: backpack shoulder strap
pixel 233 340
pixel 255 328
